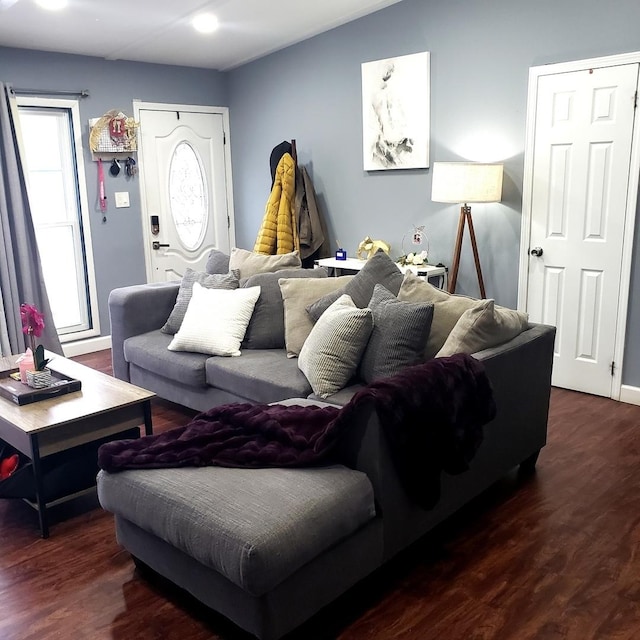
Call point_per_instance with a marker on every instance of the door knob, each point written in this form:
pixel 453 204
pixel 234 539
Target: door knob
pixel 158 245
pixel 536 251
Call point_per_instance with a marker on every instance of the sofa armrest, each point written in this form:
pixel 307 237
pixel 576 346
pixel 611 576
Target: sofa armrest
pixel 520 375
pixel 135 310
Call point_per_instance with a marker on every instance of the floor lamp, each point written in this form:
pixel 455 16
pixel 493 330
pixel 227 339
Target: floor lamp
pixel 465 182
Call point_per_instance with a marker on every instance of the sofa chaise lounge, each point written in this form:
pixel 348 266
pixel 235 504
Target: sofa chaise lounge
pixel 268 548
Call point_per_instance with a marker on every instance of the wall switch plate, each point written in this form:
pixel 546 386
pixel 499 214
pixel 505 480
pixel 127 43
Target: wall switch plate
pixel 122 199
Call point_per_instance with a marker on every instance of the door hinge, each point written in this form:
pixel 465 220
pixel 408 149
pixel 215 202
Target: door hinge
pixel 635 101
pixel 612 366
pixel 224 135
pixel 228 222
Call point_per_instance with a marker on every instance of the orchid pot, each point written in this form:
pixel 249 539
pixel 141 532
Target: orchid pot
pixel 39 379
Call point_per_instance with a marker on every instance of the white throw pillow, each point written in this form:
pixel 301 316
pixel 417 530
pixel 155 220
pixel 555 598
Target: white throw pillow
pixel 330 355
pixel 216 321
pixel 208 281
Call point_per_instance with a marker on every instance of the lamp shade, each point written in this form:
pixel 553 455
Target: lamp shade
pixel 463 182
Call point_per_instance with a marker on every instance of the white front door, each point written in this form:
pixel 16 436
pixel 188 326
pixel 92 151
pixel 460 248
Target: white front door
pixel 581 164
pixel 184 183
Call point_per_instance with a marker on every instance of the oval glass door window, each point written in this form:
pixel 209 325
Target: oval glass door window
pixel 188 196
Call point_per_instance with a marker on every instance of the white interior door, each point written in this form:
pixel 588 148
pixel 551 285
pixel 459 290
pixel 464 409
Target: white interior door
pixel 580 176
pixel 184 182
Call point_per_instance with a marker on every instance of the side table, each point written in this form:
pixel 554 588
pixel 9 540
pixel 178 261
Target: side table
pixel 426 271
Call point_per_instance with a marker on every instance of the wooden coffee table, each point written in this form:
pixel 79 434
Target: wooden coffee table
pixel 103 408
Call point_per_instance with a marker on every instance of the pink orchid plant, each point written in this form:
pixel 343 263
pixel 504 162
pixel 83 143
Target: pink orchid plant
pixel 33 326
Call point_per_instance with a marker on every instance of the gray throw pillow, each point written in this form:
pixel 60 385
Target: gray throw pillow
pixel 379 269
pixel 207 281
pixel 330 355
pixel 400 331
pixel 266 328
pixel 217 262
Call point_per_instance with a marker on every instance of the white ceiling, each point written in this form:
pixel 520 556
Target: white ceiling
pixel 160 30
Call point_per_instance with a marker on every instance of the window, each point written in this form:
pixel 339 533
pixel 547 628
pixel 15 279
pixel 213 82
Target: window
pixel 188 196
pixel 57 196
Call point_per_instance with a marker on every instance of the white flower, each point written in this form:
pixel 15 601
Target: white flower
pixel 420 258
pixel 413 259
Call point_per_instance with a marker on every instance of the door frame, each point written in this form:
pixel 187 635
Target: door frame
pixel 631 201
pixel 138 106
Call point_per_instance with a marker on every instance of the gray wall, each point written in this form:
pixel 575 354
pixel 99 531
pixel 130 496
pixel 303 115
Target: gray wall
pixel 481 52
pixel 117 243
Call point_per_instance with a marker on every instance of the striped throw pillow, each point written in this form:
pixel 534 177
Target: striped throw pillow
pixel 330 355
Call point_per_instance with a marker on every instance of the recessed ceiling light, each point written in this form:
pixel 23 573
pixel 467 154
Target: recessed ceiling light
pixel 205 23
pixel 52 5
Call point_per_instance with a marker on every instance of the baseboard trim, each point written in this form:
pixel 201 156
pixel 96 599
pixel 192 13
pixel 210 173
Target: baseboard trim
pixel 81 347
pixel 630 395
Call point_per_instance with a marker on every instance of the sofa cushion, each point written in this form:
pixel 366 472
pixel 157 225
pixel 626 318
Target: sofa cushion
pixel 216 321
pixel 482 327
pixel 379 269
pixel 254 526
pixel 217 262
pixel 250 263
pixel 296 296
pixel 208 281
pixel 259 375
pixel 447 309
pixel 399 335
pixel 339 398
pixel 330 355
pixel 266 328
pixel 149 352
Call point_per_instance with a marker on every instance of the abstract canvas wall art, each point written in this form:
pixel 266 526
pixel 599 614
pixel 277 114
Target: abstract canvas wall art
pixel 395 113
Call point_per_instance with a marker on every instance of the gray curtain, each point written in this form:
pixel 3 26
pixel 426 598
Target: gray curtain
pixel 20 268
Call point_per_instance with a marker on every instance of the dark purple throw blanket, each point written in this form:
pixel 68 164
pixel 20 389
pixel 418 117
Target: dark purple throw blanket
pixel 432 415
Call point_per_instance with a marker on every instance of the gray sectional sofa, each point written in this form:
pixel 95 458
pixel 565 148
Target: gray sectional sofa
pixel 268 548
pixel 195 380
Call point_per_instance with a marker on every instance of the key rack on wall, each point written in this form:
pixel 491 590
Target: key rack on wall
pixel 112 135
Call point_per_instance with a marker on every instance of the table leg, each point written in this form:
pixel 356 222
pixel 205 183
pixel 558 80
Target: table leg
pixel 148 427
pixel 40 497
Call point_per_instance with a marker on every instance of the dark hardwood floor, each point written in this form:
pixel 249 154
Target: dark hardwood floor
pixel 555 556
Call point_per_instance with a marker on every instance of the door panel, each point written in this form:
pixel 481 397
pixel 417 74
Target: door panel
pixel 185 186
pixel 581 165
pixel 589 315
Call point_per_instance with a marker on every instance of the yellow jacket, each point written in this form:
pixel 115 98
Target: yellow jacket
pixel 279 230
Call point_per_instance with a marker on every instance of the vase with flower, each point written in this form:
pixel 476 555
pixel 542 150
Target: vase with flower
pixel 39 376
